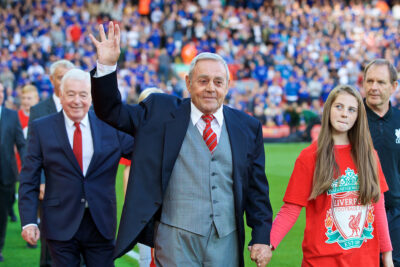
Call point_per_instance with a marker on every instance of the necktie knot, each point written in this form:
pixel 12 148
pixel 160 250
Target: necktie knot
pixel 207 118
pixel 77 125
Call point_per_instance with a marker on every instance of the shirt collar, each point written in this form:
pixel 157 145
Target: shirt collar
pixel 84 122
pixel 1 109
pixel 375 116
pixel 195 114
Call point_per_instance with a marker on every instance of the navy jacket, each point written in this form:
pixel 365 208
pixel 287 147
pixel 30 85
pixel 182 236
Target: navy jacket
pixel 10 135
pixel 67 190
pixel 159 125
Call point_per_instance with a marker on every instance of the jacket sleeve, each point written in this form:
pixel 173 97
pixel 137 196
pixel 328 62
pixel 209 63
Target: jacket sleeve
pixel 108 105
pixel 258 206
pixel 30 179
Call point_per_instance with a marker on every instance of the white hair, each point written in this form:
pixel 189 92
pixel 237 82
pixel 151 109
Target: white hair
pixel 75 74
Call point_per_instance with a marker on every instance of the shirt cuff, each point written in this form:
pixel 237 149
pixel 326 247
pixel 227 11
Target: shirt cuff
pixel 103 70
pixel 30 224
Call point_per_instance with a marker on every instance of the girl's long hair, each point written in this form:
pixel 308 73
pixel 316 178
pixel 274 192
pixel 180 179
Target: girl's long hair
pixel 362 152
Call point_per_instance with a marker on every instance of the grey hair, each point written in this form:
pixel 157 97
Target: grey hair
pixel 383 62
pixel 75 74
pixel 207 55
pixel 61 63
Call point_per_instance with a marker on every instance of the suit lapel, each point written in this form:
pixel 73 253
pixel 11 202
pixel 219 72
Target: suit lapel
pixel 95 128
pixel 62 137
pixel 175 131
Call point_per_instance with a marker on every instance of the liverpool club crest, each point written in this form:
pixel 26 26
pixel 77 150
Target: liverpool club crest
pixel 348 222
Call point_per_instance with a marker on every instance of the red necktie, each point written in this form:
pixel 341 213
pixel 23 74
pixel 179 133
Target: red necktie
pixel 78 144
pixel 209 136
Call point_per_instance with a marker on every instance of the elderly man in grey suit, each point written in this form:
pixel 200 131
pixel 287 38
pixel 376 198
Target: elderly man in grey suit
pixel 10 135
pixel 197 167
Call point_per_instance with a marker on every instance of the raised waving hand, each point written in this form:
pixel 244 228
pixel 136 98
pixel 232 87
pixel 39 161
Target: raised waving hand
pixel 108 48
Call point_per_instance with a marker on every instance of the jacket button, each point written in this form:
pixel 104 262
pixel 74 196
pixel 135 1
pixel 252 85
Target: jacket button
pixel 83 200
pixel 213 174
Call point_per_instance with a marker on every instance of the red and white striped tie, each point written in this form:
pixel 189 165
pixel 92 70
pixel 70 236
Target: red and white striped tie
pixel 209 136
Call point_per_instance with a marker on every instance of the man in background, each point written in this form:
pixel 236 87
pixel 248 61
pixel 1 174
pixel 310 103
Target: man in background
pixel 10 135
pixel 380 82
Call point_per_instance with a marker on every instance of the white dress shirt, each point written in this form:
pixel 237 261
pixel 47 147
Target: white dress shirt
pixel 57 101
pixel 216 124
pixel 87 140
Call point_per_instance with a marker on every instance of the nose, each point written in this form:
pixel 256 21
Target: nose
pixel 210 87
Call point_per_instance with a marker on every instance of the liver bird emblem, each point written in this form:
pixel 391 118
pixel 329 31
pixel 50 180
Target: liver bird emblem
pixel 354 224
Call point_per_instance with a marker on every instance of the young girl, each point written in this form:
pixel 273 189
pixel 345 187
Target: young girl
pixel 339 181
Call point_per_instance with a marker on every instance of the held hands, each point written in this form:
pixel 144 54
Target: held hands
pixel 31 234
pixel 108 49
pixel 261 254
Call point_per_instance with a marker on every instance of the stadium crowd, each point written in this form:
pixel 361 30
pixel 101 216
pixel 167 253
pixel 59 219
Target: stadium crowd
pixel 284 56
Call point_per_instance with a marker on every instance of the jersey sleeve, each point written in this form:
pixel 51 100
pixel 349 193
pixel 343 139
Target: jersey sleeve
pixel 300 184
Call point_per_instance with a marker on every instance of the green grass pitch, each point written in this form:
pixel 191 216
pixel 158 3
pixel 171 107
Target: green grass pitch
pixel 280 160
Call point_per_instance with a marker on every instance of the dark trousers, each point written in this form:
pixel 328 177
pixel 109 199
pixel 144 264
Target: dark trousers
pixel 11 209
pixel 393 216
pixel 45 259
pixel 88 241
pixel 6 194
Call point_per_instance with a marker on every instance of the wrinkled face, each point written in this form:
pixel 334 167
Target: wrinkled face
pixel 56 78
pixel 208 86
pixel 28 100
pixel 344 113
pixel 378 87
pixel 1 94
pixel 76 99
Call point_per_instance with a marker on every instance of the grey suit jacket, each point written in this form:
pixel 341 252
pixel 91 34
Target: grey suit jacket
pixel 10 135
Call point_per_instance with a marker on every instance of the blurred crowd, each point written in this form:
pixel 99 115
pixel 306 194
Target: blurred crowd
pixel 284 56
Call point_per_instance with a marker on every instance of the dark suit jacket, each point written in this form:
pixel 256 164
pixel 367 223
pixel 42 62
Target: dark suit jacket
pixel 67 189
pixel 10 135
pixel 159 125
pixel 41 109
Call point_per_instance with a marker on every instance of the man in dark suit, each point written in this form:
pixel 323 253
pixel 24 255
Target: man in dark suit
pixel 10 134
pixel 197 167
pixel 79 155
pixel 49 106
